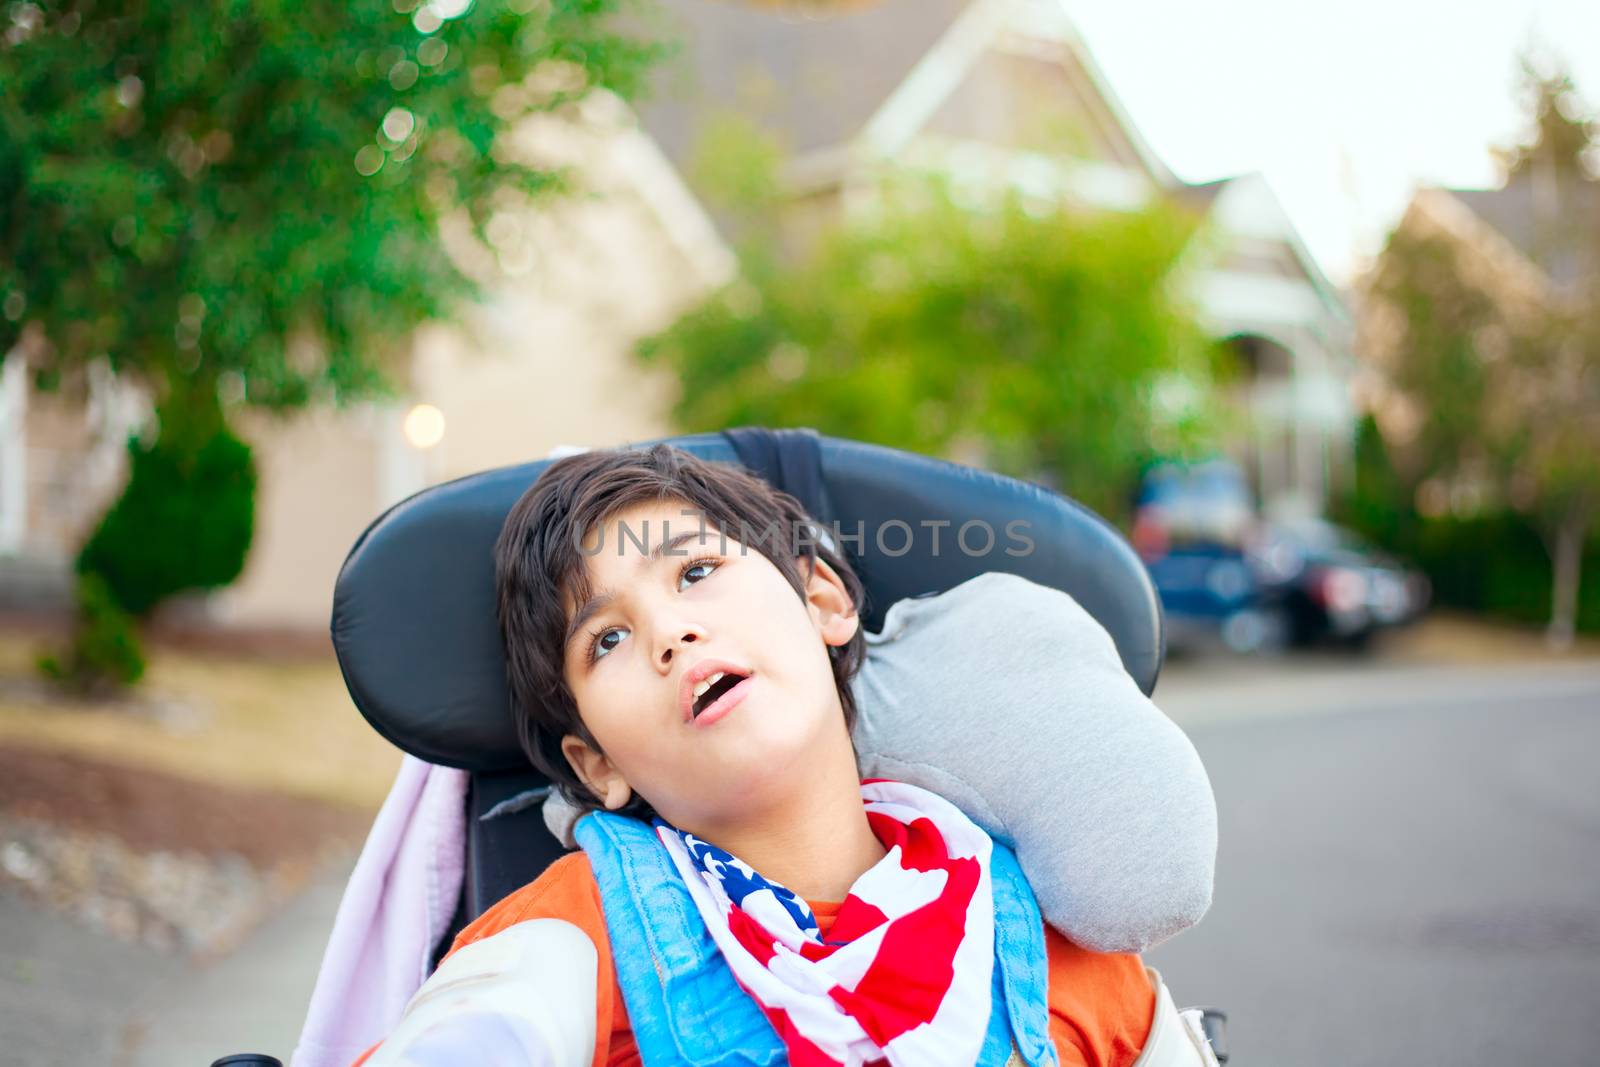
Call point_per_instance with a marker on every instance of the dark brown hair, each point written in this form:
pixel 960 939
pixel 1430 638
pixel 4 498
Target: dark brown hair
pixel 539 569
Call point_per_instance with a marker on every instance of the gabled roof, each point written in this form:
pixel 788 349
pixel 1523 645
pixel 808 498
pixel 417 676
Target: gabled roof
pixel 873 71
pixel 1514 211
pixel 1200 196
pixel 876 73
pixel 1037 33
pixel 813 81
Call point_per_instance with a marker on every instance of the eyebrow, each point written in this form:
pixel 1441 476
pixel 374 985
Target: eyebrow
pixel 595 604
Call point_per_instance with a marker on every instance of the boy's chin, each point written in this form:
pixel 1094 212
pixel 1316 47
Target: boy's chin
pixel 759 758
pixel 770 778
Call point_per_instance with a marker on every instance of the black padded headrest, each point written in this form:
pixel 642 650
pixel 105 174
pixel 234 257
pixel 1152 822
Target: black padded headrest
pixel 414 622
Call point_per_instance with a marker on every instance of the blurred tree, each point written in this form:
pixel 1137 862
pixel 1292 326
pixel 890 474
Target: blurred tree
pixel 1050 343
pixel 235 200
pixel 1378 500
pixel 1503 376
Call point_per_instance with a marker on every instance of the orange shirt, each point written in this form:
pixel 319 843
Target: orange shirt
pixel 1101 1005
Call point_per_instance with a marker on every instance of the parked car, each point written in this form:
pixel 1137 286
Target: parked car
pixel 1329 584
pixel 1194 527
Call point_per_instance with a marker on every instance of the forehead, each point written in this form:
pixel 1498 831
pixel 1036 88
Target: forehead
pixel 613 548
pixel 679 514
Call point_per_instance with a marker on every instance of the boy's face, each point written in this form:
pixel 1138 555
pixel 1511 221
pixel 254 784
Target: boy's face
pixel 685 605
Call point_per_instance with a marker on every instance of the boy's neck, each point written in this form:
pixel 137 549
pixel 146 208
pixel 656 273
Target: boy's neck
pixel 816 843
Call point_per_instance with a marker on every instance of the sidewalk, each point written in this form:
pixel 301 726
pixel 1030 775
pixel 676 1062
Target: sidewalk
pixel 67 993
pixel 140 834
pixel 252 1001
pixel 70 996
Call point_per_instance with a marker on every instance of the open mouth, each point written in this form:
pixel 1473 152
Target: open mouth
pixel 713 689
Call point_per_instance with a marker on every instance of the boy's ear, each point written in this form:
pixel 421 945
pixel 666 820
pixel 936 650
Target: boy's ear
pixel 830 604
pixel 596 772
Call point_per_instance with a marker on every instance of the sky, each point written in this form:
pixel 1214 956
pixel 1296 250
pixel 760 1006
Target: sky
pixel 1345 107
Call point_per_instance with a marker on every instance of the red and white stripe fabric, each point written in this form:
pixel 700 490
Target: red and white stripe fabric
pixel 904 975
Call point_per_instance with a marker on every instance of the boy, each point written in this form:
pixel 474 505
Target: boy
pixel 679 654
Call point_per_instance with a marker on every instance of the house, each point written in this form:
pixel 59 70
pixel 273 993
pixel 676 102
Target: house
pixel 1551 234
pixel 1005 92
pixel 987 92
pixel 1523 245
pixel 1492 232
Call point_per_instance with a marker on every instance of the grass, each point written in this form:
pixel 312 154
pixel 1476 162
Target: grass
pixel 283 725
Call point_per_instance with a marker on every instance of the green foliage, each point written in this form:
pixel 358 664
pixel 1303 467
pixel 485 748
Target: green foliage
pixel 187 188
pixel 1377 501
pixel 735 166
pixel 1495 563
pixel 1446 320
pixel 105 648
pixel 245 199
pixel 1562 135
pixel 1506 382
pixel 184 520
pixel 1050 338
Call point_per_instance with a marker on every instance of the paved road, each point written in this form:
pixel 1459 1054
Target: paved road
pixel 1409 870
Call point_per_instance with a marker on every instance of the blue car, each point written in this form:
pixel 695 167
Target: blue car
pixel 1194 526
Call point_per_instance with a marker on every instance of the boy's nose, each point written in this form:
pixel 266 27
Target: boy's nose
pixel 677 637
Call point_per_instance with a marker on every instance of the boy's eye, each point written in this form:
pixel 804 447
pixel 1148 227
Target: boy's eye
pixel 603 642
pixel 705 565
pixel 602 645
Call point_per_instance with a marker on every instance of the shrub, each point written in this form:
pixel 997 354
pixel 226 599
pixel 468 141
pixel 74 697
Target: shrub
pixel 105 646
pixel 1494 563
pixel 184 521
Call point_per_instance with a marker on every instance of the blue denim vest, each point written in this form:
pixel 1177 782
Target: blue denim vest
pixel 683 1002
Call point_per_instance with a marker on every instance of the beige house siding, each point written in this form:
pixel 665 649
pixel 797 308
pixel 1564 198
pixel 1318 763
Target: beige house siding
pixel 1038 101
pixel 65 459
pixel 69 480
pixel 317 487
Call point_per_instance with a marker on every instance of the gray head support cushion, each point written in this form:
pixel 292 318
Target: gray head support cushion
pixel 1009 700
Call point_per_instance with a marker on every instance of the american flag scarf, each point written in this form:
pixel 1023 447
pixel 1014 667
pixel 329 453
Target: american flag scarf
pixel 903 976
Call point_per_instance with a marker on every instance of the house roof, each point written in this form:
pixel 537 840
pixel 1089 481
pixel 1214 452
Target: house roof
pixel 810 80
pixel 1514 212
pixel 1202 195
pixel 820 81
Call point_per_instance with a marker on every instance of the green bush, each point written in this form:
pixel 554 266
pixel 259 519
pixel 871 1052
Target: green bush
pixel 105 646
pixel 1493 563
pixel 183 522
pixel 1497 564
pixel 1059 345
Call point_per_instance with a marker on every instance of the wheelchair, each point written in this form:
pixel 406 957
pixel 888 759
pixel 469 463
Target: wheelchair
pixel 415 631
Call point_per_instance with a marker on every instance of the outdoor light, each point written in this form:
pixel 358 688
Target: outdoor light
pixel 424 426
